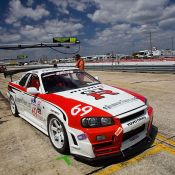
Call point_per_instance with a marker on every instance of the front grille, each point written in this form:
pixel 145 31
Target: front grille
pixel 131 117
pixel 103 145
pixel 106 148
pixel 134 132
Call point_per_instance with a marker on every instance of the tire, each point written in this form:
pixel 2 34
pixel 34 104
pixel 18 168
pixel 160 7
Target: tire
pixel 58 135
pixel 13 107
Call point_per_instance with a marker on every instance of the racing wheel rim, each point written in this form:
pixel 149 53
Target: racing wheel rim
pixel 56 133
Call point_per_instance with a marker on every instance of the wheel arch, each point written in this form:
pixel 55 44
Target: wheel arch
pixel 59 114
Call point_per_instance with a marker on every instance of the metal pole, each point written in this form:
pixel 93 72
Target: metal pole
pixel 34 45
pixel 150 35
pixel 112 60
pixel 172 43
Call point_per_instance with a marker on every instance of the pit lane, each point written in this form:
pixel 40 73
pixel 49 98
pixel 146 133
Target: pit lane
pixel 25 150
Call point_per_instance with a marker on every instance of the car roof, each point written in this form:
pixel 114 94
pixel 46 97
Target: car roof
pixel 50 70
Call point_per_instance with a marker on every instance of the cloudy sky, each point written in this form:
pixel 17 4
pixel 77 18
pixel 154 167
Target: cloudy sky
pixel 102 26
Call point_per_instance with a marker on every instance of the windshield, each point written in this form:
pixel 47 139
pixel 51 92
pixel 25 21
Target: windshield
pixel 67 80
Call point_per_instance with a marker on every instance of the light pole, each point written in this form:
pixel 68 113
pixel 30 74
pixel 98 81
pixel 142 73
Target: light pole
pixel 172 42
pixel 149 32
pixel 150 38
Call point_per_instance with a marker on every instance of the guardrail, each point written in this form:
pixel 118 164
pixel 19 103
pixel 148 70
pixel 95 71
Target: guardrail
pixel 134 68
pixel 119 68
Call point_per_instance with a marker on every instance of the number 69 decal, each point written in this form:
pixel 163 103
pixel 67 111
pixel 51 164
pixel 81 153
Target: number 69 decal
pixel 80 110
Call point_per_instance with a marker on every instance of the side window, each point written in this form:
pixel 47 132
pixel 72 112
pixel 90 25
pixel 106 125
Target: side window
pixel 34 82
pixel 23 80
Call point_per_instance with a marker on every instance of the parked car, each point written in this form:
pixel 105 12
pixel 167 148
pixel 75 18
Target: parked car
pixel 80 114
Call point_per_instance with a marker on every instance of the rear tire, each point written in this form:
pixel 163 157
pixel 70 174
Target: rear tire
pixel 13 107
pixel 58 135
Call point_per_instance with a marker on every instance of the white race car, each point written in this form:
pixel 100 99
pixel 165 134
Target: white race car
pixel 78 113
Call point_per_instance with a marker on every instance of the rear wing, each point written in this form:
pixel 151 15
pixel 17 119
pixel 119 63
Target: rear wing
pixel 10 73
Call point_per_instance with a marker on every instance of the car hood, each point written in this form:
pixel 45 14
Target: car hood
pixel 105 97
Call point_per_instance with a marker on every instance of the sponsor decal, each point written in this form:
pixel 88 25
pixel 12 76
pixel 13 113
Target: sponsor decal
pixel 82 137
pixel 39 107
pixel 136 121
pixel 118 132
pixel 23 102
pixel 119 103
pixel 33 100
pixel 99 93
pixel 58 73
pixel 64 72
pixel 19 100
pixel 81 110
pixel 36 110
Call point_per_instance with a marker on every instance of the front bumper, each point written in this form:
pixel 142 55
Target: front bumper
pixel 131 151
pixel 115 143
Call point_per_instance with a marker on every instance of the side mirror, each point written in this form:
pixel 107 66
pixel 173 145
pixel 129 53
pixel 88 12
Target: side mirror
pixel 96 77
pixel 32 90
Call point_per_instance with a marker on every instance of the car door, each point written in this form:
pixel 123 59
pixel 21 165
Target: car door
pixel 19 95
pixel 33 111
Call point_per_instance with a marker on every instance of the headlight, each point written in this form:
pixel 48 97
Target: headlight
pixel 94 122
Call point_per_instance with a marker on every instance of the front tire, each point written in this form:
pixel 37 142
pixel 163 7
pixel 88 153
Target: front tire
pixel 58 135
pixel 13 107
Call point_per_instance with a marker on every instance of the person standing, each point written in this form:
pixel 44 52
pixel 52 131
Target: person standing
pixel 79 62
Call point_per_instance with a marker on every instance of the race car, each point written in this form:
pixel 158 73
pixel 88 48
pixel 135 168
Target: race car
pixel 80 114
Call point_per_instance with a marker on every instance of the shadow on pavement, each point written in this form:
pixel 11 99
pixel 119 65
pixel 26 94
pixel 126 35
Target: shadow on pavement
pixel 3 121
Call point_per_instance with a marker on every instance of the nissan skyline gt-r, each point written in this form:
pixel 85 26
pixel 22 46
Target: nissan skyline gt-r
pixel 79 113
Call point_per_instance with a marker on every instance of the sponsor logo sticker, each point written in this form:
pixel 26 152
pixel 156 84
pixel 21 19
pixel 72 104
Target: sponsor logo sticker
pixel 119 103
pixel 118 132
pixel 99 93
pixel 136 121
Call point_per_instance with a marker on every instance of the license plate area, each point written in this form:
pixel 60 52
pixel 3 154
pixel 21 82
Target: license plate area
pixel 134 134
pixel 134 137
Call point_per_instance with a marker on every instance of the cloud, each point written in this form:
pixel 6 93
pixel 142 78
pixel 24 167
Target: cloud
pixel 112 35
pixel 118 25
pixel 138 11
pixel 62 28
pixel 43 32
pixel 129 23
pixel 32 33
pixel 39 33
pixel 167 24
pixel 9 38
pixel 63 5
pixel 126 38
pixel 30 2
pixel 17 11
pixel 169 12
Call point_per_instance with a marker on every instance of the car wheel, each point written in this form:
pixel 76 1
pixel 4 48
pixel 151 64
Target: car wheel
pixel 13 107
pixel 58 135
